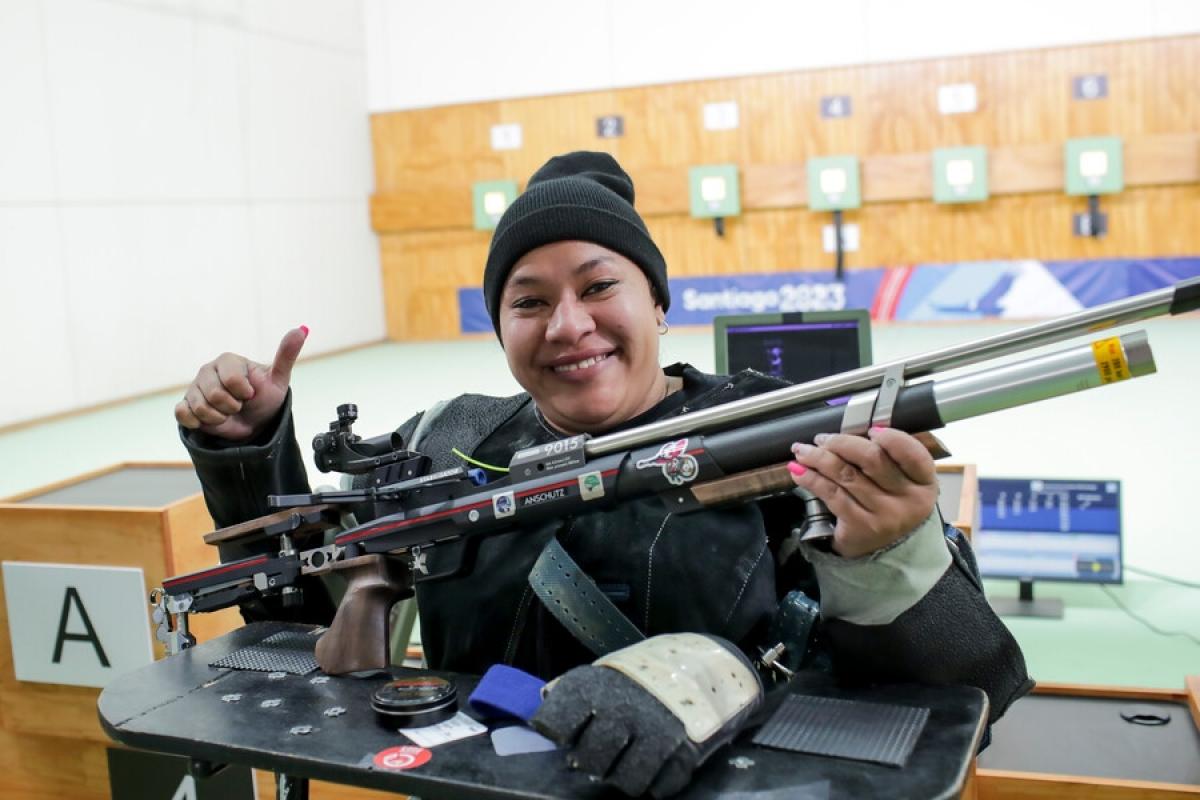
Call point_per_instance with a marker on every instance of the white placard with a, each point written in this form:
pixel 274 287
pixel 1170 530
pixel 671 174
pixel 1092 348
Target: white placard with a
pixel 720 116
pixel 957 98
pixel 80 626
pixel 849 238
pixel 506 137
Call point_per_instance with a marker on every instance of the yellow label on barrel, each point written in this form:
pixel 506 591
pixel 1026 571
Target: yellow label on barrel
pixel 1110 360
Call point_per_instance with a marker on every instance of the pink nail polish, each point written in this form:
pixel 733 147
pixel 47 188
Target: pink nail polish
pixel 305 329
pixel 796 469
pixel 878 428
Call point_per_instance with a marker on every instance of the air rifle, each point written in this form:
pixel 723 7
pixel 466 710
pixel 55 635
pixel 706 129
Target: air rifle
pixel 732 453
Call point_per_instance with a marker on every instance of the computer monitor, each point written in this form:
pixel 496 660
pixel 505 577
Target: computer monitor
pixel 797 346
pixel 1047 529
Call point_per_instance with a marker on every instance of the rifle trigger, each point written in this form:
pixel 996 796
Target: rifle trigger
pixel 418 561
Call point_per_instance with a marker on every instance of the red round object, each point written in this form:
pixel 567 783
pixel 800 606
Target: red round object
pixel 401 758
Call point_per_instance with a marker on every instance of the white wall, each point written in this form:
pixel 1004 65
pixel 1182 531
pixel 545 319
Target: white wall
pixel 177 178
pixel 460 51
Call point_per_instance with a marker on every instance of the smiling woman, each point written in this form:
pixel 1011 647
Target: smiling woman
pixel 580 329
pixel 577 292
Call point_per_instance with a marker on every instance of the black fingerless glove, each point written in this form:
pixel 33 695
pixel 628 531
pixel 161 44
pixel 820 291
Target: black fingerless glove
pixel 645 717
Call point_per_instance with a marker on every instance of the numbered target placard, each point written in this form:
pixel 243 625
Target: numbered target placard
pixel 833 183
pixel 491 199
pixel 715 191
pixel 960 174
pixel 1095 165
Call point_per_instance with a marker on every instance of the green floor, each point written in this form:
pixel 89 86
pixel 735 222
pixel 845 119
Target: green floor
pixel 1097 643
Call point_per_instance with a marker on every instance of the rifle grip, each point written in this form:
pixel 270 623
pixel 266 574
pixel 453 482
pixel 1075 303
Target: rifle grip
pixel 358 638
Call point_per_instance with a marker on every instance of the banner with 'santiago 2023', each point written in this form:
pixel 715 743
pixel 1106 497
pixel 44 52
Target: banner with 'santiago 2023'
pixel 1025 289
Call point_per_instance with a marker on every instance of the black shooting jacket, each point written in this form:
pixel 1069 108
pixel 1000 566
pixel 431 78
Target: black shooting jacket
pixel 713 571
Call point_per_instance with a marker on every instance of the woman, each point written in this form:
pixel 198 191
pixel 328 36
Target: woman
pixel 577 292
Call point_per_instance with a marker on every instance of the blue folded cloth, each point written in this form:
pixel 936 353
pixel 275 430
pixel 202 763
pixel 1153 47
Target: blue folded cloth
pixel 507 692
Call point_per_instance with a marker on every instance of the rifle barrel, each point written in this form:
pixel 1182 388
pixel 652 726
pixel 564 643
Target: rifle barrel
pixel 1043 377
pixel 1172 299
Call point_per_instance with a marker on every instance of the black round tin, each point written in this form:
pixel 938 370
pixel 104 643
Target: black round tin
pixel 415 702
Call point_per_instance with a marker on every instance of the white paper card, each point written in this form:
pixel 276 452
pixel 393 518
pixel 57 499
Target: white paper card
pixel 720 116
pixel 506 137
pixel 957 98
pixel 849 238
pixel 460 726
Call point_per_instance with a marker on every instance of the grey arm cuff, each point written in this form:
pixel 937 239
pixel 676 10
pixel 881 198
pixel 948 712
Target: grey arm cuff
pixel 877 588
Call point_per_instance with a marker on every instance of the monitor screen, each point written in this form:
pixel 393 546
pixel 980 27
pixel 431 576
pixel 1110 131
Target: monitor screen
pixel 797 347
pixel 1049 529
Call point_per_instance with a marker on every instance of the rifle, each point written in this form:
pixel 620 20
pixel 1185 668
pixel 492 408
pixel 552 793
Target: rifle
pixel 733 453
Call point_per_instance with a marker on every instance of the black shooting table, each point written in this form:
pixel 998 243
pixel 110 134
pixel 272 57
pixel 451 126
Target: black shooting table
pixel 176 706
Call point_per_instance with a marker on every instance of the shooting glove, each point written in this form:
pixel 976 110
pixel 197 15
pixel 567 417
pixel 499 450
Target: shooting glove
pixel 644 717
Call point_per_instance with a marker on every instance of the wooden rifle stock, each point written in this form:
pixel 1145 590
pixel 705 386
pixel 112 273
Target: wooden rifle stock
pixel 358 638
pixel 775 478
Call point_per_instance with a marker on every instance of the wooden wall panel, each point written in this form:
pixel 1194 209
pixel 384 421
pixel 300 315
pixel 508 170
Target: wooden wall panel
pixel 421 276
pixel 664 126
pixel 692 247
pixel 553 125
pixel 781 120
pixel 427 159
pixel 448 147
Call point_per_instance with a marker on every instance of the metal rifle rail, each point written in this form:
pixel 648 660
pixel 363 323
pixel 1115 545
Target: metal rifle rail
pixel 1180 298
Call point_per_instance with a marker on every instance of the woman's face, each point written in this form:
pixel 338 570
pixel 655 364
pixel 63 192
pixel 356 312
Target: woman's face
pixel 580 330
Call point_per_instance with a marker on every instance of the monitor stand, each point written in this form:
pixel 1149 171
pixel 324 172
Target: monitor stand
pixel 1025 606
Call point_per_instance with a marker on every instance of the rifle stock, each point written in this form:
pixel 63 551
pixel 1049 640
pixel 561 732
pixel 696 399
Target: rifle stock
pixel 358 637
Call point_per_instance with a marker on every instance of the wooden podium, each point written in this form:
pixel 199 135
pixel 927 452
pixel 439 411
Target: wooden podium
pixel 147 515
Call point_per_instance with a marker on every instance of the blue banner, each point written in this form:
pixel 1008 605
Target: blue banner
pixel 1025 289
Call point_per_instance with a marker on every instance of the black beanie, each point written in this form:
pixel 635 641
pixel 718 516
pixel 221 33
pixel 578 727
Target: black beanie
pixel 580 196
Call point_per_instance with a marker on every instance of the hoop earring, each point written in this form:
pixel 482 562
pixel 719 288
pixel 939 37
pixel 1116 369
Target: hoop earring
pixel 663 328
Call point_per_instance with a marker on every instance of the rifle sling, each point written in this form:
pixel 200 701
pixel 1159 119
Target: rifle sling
pixel 577 602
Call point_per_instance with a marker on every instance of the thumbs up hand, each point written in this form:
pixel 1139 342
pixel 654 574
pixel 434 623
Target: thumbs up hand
pixel 233 397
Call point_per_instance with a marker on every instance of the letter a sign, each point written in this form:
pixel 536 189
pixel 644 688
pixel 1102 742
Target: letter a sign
pixel 79 626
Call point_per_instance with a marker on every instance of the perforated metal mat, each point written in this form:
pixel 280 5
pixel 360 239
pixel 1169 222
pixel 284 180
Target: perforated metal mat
pixel 286 651
pixel 877 732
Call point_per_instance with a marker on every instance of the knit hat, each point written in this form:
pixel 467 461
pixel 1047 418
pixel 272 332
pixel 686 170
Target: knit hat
pixel 580 196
